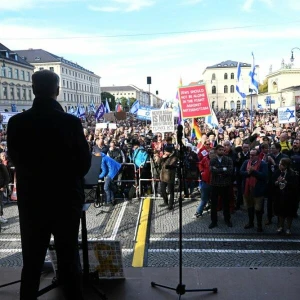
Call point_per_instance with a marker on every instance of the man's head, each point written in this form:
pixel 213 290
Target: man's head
pixel 220 150
pixel 275 148
pixel 45 83
pixel 245 147
pixel 283 137
pixel 296 145
pixel 254 155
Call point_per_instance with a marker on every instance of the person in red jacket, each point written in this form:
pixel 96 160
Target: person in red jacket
pixel 205 182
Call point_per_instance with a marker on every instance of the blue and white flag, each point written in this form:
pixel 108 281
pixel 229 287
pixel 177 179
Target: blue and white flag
pixel 71 110
pixel 107 109
pixel 135 107
pixel 241 116
pixel 82 111
pixel 92 107
pixel 212 120
pixel 100 112
pixel 77 112
pixel 240 83
pixel 253 77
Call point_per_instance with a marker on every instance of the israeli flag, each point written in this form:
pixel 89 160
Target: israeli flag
pixel 253 78
pixel 259 106
pixel 92 107
pixel 240 83
pixel 71 110
pixel 82 111
pixel 100 112
pixel 212 121
pixel 77 112
pixel 107 109
pixel 241 116
pixel 135 107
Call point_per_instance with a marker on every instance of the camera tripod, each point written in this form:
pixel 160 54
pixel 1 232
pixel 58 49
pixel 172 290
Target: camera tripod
pixel 180 289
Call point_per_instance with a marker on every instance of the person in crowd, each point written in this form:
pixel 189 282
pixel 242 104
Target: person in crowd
pixel 156 169
pixel 284 143
pixel 169 143
pixel 4 180
pixel 50 186
pixel 100 147
pixel 158 144
pixel 110 168
pixel 286 187
pixel 275 157
pixel 241 157
pixel 116 153
pixel 167 176
pixel 255 174
pixel 221 168
pixel 191 173
pixel 205 186
pixel 140 158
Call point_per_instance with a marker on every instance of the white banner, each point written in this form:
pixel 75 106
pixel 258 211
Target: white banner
pixel 286 114
pixel 162 121
pixel 7 116
pixel 101 125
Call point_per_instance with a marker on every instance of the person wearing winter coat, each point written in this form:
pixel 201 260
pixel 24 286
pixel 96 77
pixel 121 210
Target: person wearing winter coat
pixel 109 169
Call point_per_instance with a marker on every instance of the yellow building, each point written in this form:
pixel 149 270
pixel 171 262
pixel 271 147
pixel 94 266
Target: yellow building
pixel 15 81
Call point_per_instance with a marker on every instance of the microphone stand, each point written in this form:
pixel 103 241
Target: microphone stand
pixel 180 289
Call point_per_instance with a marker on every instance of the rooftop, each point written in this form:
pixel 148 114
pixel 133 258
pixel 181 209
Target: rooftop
pixel 11 56
pixel 35 56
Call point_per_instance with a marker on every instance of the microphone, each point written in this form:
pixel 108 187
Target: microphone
pixel 179 134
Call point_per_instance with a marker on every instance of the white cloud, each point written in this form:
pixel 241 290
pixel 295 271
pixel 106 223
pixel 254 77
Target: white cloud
pixel 191 2
pixel 103 8
pixel 129 60
pixel 247 6
pixel 17 5
pixel 122 5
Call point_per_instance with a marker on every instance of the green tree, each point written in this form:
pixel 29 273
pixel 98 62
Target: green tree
pixel 263 88
pixel 112 103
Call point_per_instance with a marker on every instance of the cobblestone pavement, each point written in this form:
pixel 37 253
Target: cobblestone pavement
pixel 220 246
pixel 202 247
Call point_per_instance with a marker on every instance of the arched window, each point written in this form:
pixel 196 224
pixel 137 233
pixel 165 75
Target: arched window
pixel 213 77
pixel 238 105
pixel 232 89
pixel 232 76
pixel 225 89
pixel 232 105
pixel 213 89
pixel 225 76
pixel 225 105
pixel 213 104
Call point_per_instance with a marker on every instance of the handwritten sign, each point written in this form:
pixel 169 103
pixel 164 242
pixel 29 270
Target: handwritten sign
pixel 193 101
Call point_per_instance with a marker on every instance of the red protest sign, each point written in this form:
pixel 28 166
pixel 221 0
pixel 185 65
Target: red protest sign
pixel 194 101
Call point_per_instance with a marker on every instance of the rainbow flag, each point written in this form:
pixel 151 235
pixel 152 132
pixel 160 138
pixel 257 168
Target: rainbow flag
pixel 196 133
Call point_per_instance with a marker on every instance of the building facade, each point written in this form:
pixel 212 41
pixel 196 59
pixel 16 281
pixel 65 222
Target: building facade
pixel 131 91
pixel 220 81
pixel 78 86
pixel 15 81
pixel 283 89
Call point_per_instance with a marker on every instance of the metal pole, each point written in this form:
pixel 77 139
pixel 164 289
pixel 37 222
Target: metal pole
pixel 251 113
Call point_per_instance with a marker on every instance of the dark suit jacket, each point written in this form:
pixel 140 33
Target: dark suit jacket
pixel 51 156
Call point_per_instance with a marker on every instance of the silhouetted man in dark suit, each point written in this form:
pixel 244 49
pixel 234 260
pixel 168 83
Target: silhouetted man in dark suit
pixel 51 157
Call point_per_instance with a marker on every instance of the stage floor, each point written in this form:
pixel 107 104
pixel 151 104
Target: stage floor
pixel 232 283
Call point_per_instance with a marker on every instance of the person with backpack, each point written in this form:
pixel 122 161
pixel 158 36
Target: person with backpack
pixel 140 157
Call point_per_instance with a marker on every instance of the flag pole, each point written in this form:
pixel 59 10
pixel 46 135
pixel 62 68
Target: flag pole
pixel 251 113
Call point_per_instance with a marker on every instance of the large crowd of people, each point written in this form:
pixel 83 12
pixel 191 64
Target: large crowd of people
pixel 248 160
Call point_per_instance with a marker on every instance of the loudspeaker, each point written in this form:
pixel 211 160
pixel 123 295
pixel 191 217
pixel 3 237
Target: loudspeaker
pixel 156 92
pixel 91 178
pixel 148 80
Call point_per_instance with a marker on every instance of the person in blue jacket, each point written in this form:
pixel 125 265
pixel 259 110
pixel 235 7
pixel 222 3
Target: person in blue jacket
pixel 109 169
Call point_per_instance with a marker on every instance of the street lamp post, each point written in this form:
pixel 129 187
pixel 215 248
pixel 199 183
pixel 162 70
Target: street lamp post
pixel 292 53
